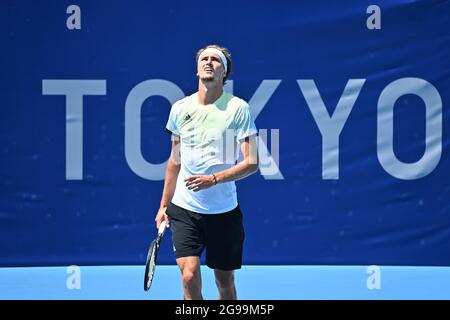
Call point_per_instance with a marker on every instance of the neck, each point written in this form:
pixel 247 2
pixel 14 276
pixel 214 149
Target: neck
pixel 208 93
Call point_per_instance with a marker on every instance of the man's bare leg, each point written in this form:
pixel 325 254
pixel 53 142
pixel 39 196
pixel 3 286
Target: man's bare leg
pixel 191 277
pixel 225 284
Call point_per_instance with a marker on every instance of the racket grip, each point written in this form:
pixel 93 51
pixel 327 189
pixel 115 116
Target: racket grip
pixel 162 227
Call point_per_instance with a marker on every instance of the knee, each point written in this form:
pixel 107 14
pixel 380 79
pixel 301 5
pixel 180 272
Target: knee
pixel 225 281
pixel 189 278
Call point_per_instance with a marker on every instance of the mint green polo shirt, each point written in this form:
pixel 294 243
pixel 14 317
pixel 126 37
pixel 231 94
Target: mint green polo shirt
pixel 210 137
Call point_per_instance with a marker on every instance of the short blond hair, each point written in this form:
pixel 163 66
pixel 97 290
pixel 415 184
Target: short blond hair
pixel 225 52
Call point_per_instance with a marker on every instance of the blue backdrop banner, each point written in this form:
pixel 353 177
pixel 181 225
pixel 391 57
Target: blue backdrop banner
pixel 351 100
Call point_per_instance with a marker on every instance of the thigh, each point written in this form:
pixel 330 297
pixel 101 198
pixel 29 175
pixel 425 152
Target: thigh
pixel 187 232
pixel 224 240
pixel 191 264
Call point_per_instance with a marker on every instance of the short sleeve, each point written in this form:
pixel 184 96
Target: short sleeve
pixel 171 125
pixel 244 124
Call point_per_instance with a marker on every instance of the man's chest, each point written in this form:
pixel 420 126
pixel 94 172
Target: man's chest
pixel 204 124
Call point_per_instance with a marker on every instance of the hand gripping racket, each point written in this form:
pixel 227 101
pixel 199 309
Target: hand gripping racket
pixel 151 257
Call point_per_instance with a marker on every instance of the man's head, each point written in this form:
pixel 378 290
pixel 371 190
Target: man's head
pixel 213 63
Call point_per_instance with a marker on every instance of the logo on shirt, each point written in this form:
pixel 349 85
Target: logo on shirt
pixel 188 117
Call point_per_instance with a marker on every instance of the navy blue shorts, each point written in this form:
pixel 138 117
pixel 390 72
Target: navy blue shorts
pixel 222 235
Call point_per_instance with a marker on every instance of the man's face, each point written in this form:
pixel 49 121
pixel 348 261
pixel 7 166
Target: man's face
pixel 210 67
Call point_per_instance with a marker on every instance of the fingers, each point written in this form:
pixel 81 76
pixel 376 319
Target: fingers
pixel 158 220
pixel 196 186
pixel 162 215
pixel 193 182
pixel 193 185
pixel 197 183
pixel 191 178
pixel 167 219
pixel 163 218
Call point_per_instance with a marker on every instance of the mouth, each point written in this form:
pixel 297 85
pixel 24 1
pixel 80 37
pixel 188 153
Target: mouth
pixel 209 70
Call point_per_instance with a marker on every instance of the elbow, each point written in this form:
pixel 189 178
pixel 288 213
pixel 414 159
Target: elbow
pixel 251 164
pixel 254 164
pixel 253 167
pixel 173 165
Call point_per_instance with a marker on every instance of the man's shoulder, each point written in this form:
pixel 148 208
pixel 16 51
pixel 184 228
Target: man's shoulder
pixel 183 102
pixel 236 102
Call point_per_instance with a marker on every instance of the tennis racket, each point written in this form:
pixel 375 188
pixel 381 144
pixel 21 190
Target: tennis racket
pixel 151 257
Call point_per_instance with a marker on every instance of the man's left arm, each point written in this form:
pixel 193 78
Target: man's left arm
pixel 246 167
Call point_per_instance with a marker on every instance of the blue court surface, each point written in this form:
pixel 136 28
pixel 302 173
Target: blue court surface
pixel 253 283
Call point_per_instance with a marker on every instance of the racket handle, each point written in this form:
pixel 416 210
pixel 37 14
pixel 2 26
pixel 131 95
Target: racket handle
pixel 162 227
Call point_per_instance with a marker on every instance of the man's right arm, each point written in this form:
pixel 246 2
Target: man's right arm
pixel 170 181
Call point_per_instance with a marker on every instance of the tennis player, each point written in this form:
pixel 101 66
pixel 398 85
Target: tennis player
pixel 199 199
